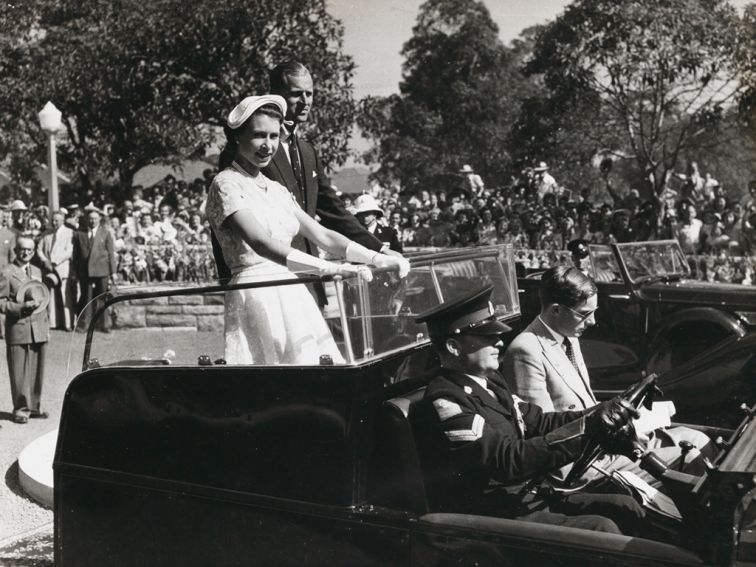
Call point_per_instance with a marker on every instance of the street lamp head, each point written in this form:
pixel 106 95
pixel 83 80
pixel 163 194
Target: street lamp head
pixel 49 118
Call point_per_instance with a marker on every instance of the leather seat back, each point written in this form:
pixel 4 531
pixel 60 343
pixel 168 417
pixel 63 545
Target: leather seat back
pixel 398 476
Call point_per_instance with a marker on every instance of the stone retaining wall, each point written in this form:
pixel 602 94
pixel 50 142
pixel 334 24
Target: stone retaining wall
pixel 200 312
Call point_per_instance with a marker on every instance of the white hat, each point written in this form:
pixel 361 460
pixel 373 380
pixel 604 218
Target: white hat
pixel 367 204
pixel 249 105
pixel 18 205
pixel 91 207
pixel 541 166
pixel 466 169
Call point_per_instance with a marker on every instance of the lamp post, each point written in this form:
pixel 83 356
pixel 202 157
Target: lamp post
pixel 49 121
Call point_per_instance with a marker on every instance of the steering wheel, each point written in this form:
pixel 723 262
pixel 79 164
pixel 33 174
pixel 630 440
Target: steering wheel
pixel 639 394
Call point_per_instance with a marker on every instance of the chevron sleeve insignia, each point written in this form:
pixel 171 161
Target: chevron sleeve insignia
pixel 473 434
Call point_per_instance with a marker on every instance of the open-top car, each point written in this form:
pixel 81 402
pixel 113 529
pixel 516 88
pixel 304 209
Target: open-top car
pixel 653 317
pixel 167 455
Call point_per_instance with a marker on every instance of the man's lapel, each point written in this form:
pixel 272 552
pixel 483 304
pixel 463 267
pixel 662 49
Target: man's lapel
pixel 283 167
pixel 557 358
pixel 309 175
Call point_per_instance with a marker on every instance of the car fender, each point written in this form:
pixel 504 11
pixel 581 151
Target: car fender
pixel 721 318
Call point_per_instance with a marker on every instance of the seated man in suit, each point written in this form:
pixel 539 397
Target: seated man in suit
pixel 545 366
pixel 484 449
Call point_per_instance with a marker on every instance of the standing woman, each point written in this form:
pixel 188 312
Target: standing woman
pixel 255 220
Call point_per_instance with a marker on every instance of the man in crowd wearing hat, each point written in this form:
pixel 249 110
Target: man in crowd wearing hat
pixel 94 263
pixel 55 253
pixel 23 300
pixel 367 211
pixel 297 167
pixel 544 365
pixel 485 446
pixel 472 183
pixel 544 183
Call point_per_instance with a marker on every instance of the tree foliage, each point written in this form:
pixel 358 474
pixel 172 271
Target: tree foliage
pixel 646 80
pixel 140 81
pixel 458 98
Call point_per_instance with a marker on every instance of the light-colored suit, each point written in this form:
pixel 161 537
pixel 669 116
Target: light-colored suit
pixel 55 250
pixel 25 338
pixel 538 369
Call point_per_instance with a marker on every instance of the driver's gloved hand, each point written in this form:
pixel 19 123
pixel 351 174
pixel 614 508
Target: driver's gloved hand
pixel 607 420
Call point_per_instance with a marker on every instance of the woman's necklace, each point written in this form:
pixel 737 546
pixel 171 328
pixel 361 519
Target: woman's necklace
pixel 252 170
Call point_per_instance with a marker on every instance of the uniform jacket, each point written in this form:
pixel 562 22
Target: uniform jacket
pixel 96 259
pixel 471 441
pixel 56 250
pixel 318 198
pixel 538 370
pixel 388 236
pixel 27 329
pixel 7 246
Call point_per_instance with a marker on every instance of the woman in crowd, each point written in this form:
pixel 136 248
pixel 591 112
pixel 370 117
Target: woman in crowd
pixel 255 220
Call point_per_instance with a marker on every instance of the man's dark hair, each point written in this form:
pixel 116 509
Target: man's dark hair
pixel 278 74
pixel 566 286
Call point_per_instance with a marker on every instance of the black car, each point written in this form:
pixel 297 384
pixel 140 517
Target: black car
pixel 168 456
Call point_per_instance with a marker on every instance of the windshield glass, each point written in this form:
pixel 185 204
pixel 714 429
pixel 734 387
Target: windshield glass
pixel 654 260
pixel 190 327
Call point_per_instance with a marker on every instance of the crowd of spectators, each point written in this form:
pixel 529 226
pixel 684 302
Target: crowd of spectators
pixel 539 217
pixel 161 233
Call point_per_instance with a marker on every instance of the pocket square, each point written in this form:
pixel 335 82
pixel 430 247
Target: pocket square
pixel 314 173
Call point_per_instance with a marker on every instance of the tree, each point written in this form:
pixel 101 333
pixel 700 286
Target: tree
pixel 143 82
pixel 642 79
pixel 458 97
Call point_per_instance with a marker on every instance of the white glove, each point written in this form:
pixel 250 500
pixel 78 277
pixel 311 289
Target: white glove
pixel 384 260
pixel 358 253
pixel 298 261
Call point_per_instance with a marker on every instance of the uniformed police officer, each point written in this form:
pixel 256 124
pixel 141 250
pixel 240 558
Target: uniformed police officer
pixel 483 449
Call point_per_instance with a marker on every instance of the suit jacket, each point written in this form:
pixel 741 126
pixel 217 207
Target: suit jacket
pixel 55 250
pixel 537 368
pixel 95 259
pixel 21 330
pixel 318 198
pixel 7 246
pixel 469 438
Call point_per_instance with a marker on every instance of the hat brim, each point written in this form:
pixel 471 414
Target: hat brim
pixel 34 289
pixel 493 327
pixel 363 211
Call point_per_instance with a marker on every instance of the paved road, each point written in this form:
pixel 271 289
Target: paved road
pixel 19 515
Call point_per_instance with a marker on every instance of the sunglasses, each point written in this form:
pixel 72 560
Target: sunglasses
pixel 581 316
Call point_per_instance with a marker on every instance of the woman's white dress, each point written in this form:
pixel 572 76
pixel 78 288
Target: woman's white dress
pixel 278 324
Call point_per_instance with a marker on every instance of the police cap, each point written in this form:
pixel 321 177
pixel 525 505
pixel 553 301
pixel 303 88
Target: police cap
pixel 472 315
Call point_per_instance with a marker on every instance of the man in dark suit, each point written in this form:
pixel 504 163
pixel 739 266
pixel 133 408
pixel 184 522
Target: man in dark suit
pixel 484 448
pixel 7 247
pixel 297 167
pixel 94 262
pixel 26 333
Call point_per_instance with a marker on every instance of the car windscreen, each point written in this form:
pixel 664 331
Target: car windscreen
pixel 659 260
pixel 360 320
